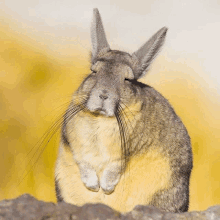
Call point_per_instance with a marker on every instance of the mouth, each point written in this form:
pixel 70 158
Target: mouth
pixel 98 112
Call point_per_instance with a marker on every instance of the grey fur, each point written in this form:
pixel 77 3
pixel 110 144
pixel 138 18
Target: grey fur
pixel 148 52
pixel 107 92
pixel 99 41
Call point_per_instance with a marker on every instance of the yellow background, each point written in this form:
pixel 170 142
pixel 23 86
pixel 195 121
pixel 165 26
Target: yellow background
pixel 36 83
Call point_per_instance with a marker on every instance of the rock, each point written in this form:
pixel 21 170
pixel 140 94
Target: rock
pixel 27 207
pixel 144 212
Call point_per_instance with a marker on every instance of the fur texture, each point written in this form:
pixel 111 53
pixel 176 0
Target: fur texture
pixel 122 143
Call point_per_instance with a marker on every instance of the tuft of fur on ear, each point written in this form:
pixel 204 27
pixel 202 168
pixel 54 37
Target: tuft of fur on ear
pixel 99 41
pixel 144 56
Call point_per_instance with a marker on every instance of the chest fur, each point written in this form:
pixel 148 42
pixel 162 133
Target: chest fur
pixel 94 139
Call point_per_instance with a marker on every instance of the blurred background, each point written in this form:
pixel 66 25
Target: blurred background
pixel 44 56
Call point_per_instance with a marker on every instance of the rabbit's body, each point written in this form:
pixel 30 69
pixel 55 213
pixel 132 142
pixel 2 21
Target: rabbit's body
pixel 122 143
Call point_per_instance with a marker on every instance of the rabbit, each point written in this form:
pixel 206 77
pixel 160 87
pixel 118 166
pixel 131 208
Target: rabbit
pixel 122 144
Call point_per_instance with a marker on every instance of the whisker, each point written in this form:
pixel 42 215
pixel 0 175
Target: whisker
pixel 124 143
pixel 140 136
pixel 71 111
pixel 59 118
pixel 123 139
pixel 46 133
pixel 127 108
pixel 123 113
pixel 126 131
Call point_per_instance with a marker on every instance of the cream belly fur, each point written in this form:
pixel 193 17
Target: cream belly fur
pixel 145 174
pixel 94 139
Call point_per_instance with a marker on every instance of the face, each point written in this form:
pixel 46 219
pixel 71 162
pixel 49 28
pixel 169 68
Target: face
pixel 107 86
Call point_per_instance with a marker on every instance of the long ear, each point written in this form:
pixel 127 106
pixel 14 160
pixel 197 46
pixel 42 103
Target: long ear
pixel 99 41
pixel 145 55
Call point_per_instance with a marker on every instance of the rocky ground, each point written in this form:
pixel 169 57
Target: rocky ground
pixel 27 207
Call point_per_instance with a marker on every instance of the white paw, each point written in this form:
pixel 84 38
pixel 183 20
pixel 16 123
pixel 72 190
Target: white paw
pixel 90 180
pixel 108 182
pixel 107 188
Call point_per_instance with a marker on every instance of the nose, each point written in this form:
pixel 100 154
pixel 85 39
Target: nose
pixel 103 95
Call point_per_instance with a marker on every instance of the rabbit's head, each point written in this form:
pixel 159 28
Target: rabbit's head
pixel 114 74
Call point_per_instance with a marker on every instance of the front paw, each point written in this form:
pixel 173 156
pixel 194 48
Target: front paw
pixel 108 181
pixel 107 188
pixel 91 181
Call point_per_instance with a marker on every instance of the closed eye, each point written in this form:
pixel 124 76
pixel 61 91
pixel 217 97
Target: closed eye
pixel 93 71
